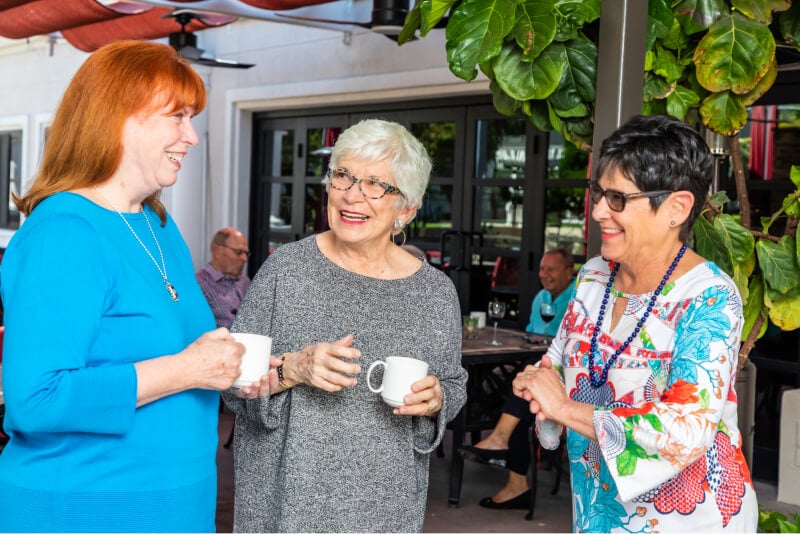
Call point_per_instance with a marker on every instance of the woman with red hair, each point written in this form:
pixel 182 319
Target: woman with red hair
pixel 111 360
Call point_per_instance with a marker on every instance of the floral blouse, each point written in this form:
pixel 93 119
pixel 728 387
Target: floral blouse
pixel 668 442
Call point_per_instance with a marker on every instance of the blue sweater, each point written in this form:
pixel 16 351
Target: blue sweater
pixel 83 303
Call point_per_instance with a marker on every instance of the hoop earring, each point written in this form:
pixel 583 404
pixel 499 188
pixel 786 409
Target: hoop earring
pixel 403 233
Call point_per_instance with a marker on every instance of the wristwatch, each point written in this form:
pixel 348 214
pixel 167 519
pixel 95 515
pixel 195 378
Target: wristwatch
pixel 281 380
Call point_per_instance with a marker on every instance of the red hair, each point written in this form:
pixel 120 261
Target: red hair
pixel 84 145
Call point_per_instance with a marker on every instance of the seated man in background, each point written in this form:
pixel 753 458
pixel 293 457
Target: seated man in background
pixel 222 279
pixel 508 444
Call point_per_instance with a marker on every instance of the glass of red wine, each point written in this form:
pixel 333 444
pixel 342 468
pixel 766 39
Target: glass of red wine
pixel 547 311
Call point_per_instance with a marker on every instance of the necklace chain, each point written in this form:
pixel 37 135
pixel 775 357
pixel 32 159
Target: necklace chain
pixel 162 269
pixel 595 381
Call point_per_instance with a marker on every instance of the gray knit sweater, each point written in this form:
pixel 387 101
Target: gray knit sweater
pixel 307 460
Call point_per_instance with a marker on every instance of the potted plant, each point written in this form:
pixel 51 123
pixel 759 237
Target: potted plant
pixel 706 62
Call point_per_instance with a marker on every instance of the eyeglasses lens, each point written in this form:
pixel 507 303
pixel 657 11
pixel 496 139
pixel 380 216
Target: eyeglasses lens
pixel 370 187
pixel 614 199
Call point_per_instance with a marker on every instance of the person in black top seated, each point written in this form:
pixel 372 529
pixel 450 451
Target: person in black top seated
pixel 508 446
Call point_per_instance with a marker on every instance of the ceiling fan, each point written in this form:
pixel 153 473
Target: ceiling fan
pixel 185 42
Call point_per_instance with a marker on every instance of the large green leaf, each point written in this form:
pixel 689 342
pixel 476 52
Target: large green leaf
pixel 710 245
pixel 735 237
pixel 535 26
pixel 538 111
pixel 676 39
pixel 794 175
pixel 680 100
pixel 526 80
pixel 789 23
pixel 576 89
pixel 778 263
pixel 697 15
pixel 410 26
pixel 734 54
pixel 797 241
pixel 659 21
pixel 666 65
pixel 503 103
pixel 656 87
pixel 724 113
pixel 754 306
pixel 784 313
pixel 572 15
pixel 431 12
pixel 475 34
pixel 760 10
pixel 763 85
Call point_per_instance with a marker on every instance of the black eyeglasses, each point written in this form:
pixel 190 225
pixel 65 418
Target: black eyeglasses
pixel 616 199
pixel 370 186
pixel 237 251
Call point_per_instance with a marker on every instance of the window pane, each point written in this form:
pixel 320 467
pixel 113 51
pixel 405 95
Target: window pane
pixel 314 212
pixel 320 142
pixel 500 213
pixel 565 160
pixel 438 138
pixel 280 212
pixel 14 178
pixel 500 150
pixel 434 217
pixel 564 225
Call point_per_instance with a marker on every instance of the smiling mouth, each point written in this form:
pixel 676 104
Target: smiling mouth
pixel 353 216
pixel 174 157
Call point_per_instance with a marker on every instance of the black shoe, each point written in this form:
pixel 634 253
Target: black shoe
pixel 485 456
pixel 520 502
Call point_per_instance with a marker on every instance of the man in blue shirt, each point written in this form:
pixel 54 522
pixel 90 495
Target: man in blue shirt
pixel 507 445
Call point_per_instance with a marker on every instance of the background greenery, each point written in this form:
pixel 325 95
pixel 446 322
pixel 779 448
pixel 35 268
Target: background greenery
pixel 706 62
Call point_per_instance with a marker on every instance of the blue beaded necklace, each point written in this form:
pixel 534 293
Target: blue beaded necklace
pixel 597 382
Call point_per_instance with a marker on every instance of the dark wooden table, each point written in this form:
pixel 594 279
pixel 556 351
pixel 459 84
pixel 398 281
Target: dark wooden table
pixel 491 370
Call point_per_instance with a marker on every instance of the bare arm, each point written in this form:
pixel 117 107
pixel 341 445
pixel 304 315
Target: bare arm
pixel 210 362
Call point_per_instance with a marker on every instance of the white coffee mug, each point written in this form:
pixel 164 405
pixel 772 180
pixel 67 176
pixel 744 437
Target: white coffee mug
pixel 255 360
pixel 398 375
pixel 480 316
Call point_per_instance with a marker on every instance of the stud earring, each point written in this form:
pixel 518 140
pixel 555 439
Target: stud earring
pixel 672 223
pixel 398 223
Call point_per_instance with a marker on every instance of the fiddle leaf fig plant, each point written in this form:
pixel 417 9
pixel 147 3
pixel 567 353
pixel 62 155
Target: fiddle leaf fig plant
pixel 706 61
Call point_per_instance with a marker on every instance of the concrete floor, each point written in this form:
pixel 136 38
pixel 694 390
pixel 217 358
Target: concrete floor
pixel 553 512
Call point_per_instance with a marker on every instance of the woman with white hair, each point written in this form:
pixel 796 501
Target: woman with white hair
pixel 314 449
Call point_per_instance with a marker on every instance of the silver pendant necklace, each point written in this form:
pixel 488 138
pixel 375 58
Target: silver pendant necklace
pixel 162 269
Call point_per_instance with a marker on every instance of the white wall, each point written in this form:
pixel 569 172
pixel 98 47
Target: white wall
pixel 296 67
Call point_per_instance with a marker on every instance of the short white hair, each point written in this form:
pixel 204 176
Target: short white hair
pixel 375 140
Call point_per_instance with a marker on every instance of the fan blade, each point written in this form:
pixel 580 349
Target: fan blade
pixel 212 62
pixel 366 25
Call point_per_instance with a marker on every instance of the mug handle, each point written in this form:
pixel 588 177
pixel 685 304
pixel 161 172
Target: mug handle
pixel 369 371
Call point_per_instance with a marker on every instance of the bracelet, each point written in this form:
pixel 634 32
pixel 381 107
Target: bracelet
pixel 281 380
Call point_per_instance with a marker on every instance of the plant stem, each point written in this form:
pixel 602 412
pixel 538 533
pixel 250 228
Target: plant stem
pixel 738 174
pixel 747 345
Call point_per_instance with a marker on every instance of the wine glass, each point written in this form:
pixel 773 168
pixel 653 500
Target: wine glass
pixel 547 311
pixel 496 311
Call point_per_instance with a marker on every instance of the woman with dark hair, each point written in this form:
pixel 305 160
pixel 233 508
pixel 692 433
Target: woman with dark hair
pixel 648 352
pixel 111 364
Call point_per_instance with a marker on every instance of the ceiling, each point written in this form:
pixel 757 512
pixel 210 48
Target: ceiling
pixel 89 24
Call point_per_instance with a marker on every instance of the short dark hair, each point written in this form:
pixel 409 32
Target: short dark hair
pixel 660 152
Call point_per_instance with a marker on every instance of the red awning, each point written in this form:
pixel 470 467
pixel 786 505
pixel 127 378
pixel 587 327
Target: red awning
pixel 89 24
